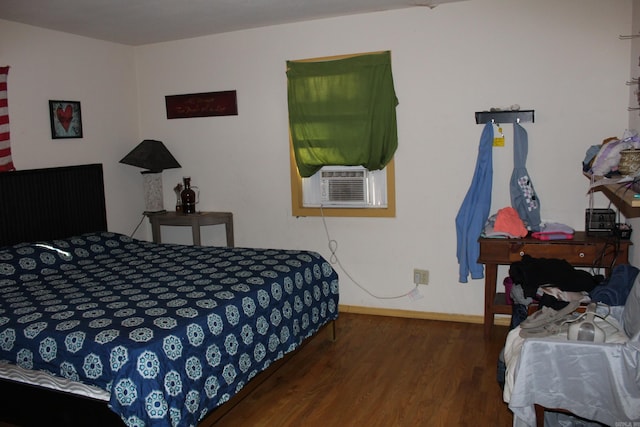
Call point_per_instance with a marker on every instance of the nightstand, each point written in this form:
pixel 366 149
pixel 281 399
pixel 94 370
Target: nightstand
pixel 195 221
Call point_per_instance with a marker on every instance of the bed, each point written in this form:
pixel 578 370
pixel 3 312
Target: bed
pixel 162 334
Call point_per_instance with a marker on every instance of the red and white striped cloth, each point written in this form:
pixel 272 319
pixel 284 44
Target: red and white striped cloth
pixel 6 162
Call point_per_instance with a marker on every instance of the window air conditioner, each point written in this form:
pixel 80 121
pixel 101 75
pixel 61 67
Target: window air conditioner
pixel 345 187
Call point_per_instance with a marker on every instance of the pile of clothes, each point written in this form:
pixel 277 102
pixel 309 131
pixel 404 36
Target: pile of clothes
pixel 558 288
pixel 603 159
pixel 555 283
pixel 533 273
pixel 507 224
pixel 549 282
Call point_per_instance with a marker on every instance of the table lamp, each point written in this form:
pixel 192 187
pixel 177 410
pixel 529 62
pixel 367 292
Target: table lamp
pixel 153 156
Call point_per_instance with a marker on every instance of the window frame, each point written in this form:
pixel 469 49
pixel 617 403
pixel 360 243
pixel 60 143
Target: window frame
pixel 297 207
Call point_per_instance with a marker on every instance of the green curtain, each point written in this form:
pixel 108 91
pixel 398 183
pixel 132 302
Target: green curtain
pixel 342 112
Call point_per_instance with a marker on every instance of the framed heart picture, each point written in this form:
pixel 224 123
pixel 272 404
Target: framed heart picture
pixel 66 119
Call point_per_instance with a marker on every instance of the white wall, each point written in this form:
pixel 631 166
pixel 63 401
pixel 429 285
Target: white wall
pixel 47 65
pixel 561 58
pixel 447 62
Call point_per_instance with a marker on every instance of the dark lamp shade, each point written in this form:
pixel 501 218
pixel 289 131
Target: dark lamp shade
pixel 151 155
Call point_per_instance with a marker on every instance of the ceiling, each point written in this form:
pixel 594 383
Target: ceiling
pixel 138 22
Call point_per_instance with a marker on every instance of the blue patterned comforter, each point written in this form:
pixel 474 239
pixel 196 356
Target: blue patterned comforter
pixel 170 331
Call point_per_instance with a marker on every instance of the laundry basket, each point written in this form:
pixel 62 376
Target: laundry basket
pixel 629 162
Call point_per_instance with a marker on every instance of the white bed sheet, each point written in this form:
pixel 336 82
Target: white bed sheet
pixel 44 379
pixel 600 382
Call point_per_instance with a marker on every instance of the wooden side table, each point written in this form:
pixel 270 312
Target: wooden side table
pixel 581 251
pixel 195 221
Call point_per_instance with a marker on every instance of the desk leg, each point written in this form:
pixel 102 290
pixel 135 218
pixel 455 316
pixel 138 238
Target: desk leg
pixel 229 228
pixel 195 230
pixel 539 415
pixel 155 231
pixel 490 279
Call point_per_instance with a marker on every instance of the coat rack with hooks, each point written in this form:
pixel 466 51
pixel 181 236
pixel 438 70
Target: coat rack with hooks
pixel 511 116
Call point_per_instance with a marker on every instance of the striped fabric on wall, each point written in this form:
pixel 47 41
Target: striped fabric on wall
pixel 6 162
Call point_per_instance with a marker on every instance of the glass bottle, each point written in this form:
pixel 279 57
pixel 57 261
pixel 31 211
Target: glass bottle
pixel 188 197
pixel 178 190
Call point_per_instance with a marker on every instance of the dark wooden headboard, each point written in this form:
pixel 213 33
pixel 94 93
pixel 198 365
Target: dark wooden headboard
pixel 51 203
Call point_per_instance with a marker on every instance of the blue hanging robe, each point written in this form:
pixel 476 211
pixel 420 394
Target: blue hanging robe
pixel 523 196
pixel 474 212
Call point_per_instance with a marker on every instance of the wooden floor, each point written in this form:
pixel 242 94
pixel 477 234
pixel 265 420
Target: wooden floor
pixel 384 371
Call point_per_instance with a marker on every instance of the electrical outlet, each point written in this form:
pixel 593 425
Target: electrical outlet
pixel 420 277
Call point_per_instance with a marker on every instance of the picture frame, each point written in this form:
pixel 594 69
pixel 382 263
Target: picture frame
pixel 206 104
pixel 66 119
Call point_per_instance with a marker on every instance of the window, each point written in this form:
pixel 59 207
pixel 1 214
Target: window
pixel 342 113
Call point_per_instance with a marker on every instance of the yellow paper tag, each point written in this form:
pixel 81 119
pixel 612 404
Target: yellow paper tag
pixel 498 138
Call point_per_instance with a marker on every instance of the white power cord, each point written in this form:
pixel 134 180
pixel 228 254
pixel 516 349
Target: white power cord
pixel 333 248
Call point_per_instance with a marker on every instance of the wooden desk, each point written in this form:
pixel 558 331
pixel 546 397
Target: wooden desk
pixel 582 251
pixel 195 221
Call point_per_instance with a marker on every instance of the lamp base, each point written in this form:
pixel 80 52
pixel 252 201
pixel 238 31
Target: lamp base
pixel 152 184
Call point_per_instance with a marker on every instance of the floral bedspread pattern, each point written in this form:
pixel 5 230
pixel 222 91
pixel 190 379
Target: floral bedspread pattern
pixel 170 331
